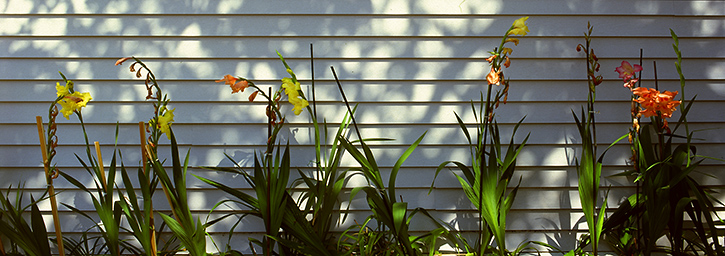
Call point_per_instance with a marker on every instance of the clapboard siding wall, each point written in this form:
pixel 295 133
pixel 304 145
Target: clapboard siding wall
pixel 409 64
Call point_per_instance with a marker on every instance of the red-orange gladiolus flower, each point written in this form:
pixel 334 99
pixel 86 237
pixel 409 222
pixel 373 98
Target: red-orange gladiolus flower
pixel 121 60
pixel 237 86
pixel 493 77
pixel 228 79
pixel 653 102
pixel 254 95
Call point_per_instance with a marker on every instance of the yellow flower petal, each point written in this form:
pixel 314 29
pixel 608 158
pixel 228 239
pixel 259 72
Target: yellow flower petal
pixel 73 102
pixel 67 108
pixel 289 85
pixel 60 90
pixel 292 90
pixel 299 104
pixel 165 121
pixel 519 27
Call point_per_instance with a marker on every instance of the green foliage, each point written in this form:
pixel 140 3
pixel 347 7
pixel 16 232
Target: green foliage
pixel 381 199
pixel 139 215
pixel 393 215
pixel 275 206
pixel 324 186
pixel 589 171
pixel 270 184
pixel 31 238
pixel 190 231
pixel 85 245
pixel 107 209
pixel 274 203
pixel 367 241
pixel 489 177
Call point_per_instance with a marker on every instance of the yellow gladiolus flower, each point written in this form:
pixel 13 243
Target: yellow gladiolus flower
pixel 63 90
pixel 60 90
pixel 73 102
pixel 165 121
pixel 519 27
pixel 507 51
pixel 289 85
pixel 299 104
pixel 292 90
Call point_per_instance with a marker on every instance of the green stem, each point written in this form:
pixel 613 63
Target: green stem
pixel 591 126
pixel 482 165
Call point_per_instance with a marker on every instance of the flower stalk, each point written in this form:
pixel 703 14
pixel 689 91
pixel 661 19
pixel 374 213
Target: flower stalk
pixel 48 152
pixel 71 102
pixel 589 164
pixel 486 180
pixel 189 230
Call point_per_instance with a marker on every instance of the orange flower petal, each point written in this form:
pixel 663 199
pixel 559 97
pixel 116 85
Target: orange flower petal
pixel 493 77
pixel 228 79
pixel 254 95
pixel 653 102
pixel 239 86
pixel 121 60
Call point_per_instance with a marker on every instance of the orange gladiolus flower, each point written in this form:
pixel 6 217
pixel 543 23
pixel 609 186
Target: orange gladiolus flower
pixel 494 77
pixel 234 83
pixel 653 102
pixel 254 95
pixel 121 60
pixel 228 79
pixel 239 86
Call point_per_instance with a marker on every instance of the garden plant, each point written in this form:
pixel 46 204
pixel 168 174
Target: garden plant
pixel 669 213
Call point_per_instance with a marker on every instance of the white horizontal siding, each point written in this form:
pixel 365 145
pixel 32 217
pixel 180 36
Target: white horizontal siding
pixel 609 47
pixel 276 25
pixel 409 64
pixel 363 69
pixel 403 7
